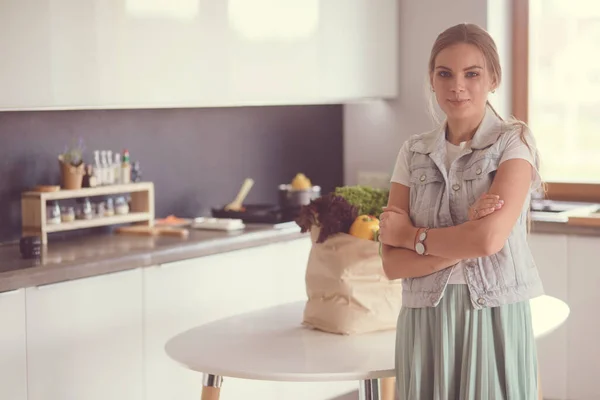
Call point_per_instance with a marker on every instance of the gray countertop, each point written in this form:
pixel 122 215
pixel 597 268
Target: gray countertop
pixel 101 254
pixel 562 228
pixel 93 255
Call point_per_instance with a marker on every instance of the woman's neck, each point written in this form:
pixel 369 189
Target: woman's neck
pixel 463 129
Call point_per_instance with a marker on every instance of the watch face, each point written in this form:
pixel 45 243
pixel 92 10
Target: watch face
pixel 420 248
pixel 422 236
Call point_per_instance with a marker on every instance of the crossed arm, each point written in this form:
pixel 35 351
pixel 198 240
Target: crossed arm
pixel 478 238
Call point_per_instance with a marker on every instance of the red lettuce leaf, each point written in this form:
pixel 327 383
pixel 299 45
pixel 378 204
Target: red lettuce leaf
pixel 332 213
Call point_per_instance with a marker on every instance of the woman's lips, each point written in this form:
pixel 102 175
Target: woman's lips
pixel 458 102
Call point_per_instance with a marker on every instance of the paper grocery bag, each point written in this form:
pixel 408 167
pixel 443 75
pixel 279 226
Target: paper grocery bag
pixel 348 292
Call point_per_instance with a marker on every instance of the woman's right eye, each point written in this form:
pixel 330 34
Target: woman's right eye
pixel 444 74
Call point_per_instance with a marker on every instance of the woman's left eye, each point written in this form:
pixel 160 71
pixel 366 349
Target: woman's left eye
pixel 472 74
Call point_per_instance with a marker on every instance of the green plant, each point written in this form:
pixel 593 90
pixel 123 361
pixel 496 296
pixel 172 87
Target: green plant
pixel 73 155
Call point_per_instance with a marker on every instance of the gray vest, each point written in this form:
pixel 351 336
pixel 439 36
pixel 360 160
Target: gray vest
pixel 441 198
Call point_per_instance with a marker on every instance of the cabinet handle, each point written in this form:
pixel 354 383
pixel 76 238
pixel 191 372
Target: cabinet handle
pixel 10 292
pixel 49 285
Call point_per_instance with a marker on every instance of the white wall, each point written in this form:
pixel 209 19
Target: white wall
pixel 374 131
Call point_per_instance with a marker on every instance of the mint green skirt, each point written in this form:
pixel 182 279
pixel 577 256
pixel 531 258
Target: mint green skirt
pixel 454 352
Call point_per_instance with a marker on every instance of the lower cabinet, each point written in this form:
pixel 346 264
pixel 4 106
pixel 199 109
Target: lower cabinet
pixel 550 254
pixel 584 321
pixel 84 339
pixel 13 350
pixel 570 356
pixel 103 337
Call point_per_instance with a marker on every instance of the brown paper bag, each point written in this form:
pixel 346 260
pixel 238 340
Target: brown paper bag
pixel 348 292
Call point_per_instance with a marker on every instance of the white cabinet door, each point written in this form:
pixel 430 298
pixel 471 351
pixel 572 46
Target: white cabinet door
pixel 181 295
pixel 61 54
pixel 550 255
pixel 584 320
pixel 84 339
pixel 13 353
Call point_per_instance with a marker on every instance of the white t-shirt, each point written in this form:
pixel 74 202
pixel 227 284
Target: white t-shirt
pixel 515 148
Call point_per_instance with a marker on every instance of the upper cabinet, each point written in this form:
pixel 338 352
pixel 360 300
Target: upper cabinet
pixel 64 54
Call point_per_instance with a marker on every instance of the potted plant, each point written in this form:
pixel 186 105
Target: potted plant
pixel 72 167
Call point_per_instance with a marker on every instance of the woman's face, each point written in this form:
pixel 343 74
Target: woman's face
pixel 461 81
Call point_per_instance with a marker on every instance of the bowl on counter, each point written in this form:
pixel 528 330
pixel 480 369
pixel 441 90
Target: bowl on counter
pixel 296 198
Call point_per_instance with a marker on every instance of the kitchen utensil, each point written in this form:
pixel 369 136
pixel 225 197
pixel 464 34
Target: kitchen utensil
pixel 291 198
pixel 253 213
pixel 236 205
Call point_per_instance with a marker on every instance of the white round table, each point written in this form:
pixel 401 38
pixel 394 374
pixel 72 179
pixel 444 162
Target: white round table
pixel 271 344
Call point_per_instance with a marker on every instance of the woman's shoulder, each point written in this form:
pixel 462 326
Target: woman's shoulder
pixel 515 131
pixel 421 142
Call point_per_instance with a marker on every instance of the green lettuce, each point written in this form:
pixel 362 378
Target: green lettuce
pixel 368 200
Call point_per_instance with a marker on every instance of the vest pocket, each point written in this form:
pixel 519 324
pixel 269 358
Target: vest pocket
pixel 478 177
pixel 425 186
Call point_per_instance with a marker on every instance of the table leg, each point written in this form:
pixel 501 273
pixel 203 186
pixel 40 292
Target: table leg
pixel 211 387
pixel 369 389
pixel 388 388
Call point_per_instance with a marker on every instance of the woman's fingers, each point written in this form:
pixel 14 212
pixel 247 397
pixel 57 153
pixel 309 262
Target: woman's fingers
pixel 485 205
pixel 489 203
pixel 484 212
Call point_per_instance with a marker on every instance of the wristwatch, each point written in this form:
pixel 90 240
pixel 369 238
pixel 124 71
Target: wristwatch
pixel 420 245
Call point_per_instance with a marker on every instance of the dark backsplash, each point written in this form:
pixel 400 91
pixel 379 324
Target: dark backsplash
pixel 197 158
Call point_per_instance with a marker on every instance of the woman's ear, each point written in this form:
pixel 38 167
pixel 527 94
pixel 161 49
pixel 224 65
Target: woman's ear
pixel 494 85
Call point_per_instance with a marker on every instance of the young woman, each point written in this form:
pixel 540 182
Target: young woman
pixel 455 232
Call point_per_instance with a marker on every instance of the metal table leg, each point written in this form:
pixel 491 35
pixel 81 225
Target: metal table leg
pixel 211 387
pixel 369 389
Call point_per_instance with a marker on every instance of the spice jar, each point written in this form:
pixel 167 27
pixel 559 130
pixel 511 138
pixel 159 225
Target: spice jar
pixel 67 214
pixel 100 210
pixel 121 206
pixel 109 207
pixel 84 209
pixel 53 213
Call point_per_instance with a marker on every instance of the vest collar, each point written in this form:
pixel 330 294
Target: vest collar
pixel 487 133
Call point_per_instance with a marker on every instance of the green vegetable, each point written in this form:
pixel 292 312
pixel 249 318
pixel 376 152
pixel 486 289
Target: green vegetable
pixel 368 200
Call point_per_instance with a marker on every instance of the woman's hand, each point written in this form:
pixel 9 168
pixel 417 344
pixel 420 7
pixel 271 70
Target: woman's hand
pixel 396 229
pixel 484 206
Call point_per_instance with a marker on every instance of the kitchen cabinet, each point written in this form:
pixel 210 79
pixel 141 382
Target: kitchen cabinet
pixel 550 253
pixel 60 54
pixel 13 351
pixel 181 295
pixel 584 321
pixel 84 338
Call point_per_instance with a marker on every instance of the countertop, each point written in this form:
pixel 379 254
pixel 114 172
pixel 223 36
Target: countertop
pixel 562 228
pixel 93 255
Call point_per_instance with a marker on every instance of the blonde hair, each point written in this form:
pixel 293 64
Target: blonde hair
pixel 474 35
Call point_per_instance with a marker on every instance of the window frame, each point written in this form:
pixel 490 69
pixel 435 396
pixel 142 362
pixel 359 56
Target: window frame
pixel 566 191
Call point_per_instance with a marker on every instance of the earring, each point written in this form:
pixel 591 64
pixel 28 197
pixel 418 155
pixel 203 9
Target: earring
pixel 494 91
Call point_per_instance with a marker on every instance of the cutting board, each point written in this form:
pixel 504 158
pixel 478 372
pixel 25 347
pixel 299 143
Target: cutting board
pixel 153 231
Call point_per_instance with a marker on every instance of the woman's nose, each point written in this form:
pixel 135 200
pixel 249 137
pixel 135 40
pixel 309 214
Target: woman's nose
pixel 458 85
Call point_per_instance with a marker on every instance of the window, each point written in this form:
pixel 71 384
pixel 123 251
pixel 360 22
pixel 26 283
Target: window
pixel 563 88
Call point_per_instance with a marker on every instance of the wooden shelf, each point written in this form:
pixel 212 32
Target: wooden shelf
pixel 91 192
pixel 33 208
pixel 102 221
